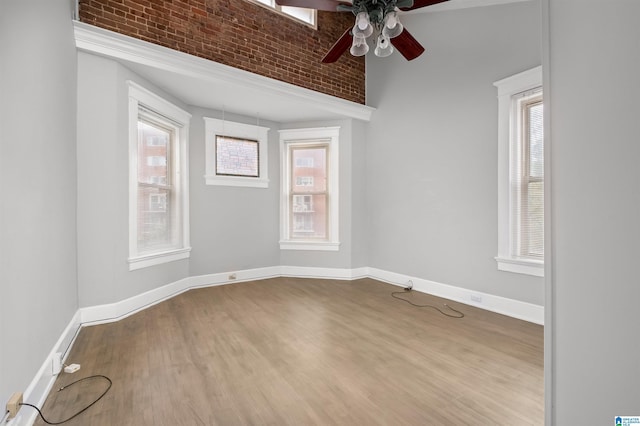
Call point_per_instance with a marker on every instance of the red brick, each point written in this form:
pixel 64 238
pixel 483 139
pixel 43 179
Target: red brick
pixel 240 34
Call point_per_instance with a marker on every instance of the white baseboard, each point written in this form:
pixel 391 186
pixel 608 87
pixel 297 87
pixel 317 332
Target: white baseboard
pixel 43 381
pixel 111 312
pixel 324 273
pixel 38 390
pixel 501 305
pixel 116 311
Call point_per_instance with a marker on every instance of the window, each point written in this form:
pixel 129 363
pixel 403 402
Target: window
pixel 308 16
pixel 158 202
pixel 236 154
pixel 304 180
pixel 521 173
pixel 309 203
pixel 306 162
pixel 156 160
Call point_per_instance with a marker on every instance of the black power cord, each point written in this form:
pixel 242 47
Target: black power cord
pixel 408 289
pixel 81 411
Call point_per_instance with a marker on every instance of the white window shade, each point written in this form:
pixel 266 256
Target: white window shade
pixel 527 198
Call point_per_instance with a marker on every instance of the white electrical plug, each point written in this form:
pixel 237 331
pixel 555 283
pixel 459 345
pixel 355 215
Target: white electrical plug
pixel 72 368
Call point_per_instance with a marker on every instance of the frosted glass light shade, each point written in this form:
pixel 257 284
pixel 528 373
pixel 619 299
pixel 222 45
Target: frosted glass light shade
pixel 359 47
pixel 363 26
pixel 362 20
pixel 363 33
pixel 383 47
pixel 392 26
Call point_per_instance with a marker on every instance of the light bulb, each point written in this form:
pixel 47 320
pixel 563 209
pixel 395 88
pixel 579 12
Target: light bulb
pixel 363 33
pixel 391 20
pixel 392 26
pixel 362 20
pixel 383 47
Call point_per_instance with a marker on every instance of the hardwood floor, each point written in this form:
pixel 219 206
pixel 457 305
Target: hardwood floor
pixel 291 351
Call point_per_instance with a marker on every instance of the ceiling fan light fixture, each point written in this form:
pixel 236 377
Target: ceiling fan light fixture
pixel 392 26
pixel 383 47
pixel 359 47
pixel 357 32
pixel 362 20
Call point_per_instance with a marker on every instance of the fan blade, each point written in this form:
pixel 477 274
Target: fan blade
pixel 339 47
pixel 328 5
pixel 417 4
pixel 408 46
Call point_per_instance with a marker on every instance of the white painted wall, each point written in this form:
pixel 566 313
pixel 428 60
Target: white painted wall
pixel 103 185
pixel 348 194
pixel 593 61
pixel 432 148
pixel 234 228
pixel 37 185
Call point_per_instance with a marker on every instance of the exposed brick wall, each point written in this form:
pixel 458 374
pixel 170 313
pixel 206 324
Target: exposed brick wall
pixel 240 34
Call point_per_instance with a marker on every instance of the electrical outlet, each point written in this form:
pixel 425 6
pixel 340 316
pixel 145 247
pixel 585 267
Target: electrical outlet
pixel 232 276
pixel 56 363
pixel 14 404
pixel 476 298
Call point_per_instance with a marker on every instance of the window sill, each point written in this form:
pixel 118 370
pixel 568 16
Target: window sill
pixel 158 258
pixel 309 245
pixel 237 181
pixel 521 266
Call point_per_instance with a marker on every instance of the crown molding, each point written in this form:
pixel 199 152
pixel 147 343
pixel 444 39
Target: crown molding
pixel 123 48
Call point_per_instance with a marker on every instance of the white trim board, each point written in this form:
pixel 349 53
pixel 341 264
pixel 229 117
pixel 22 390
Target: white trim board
pixel 501 305
pixel 38 390
pixel 116 311
pixel 177 70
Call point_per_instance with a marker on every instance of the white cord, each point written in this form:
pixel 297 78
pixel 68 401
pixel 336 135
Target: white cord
pixel 4 418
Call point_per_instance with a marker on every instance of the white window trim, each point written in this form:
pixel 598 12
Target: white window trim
pixel 507 132
pixel 138 96
pixel 278 9
pixel 328 135
pixel 213 128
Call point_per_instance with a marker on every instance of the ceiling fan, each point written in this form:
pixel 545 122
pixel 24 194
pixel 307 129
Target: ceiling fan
pixel 377 18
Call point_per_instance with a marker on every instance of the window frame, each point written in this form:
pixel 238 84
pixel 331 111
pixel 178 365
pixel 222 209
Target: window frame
pixel 214 128
pixel 278 9
pixel 143 102
pixel 510 94
pixel 309 138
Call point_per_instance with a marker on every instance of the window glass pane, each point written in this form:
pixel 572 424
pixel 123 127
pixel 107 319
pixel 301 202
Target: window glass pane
pixel 236 157
pixel 154 218
pixel 536 138
pixel 153 143
pixel 310 165
pixel 309 216
pixel 305 15
pixel 535 219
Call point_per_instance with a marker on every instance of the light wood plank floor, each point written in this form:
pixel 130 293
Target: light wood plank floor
pixel 291 351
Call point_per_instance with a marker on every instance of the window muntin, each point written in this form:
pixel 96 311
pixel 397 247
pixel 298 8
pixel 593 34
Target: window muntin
pixel 157 230
pixel 158 186
pixel 521 173
pixel 309 203
pixel 530 211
